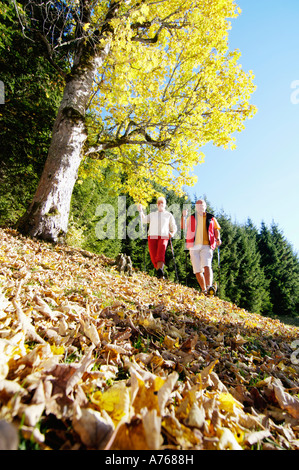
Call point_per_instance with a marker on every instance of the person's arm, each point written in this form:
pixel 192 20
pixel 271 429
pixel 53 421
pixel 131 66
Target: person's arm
pixel 217 232
pixel 144 218
pixel 183 219
pixel 217 236
pixel 172 226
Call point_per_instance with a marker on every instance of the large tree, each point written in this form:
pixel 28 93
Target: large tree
pixel 158 82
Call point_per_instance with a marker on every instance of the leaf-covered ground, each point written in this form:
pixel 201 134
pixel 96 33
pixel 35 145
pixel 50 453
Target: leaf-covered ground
pixel 94 359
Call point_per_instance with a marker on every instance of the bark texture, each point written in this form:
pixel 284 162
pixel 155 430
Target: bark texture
pixel 48 214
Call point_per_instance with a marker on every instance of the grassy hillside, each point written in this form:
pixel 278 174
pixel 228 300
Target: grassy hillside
pixel 94 359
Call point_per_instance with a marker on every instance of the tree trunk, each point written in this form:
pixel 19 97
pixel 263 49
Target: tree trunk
pixel 48 214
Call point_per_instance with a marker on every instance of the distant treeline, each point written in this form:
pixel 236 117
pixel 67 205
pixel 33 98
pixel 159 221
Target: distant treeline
pixel 258 268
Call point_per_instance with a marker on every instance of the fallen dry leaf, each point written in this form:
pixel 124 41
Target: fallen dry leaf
pixel 94 359
pixel 285 400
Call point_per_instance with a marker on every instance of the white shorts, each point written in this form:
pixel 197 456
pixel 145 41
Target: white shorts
pixel 201 256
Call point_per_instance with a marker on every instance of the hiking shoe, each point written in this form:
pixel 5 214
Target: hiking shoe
pixel 211 291
pixel 160 274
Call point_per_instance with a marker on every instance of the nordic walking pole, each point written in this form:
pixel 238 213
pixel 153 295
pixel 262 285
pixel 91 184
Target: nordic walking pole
pixel 176 271
pixel 185 219
pixel 142 240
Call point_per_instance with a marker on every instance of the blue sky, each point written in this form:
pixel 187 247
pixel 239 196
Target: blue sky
pixel 259 180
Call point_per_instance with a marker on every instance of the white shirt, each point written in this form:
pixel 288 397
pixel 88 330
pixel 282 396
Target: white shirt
pixel 161 224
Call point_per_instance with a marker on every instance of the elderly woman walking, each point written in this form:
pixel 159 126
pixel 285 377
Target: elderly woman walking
pixel 162 227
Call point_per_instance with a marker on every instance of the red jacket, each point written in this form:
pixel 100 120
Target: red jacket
pixel 191 231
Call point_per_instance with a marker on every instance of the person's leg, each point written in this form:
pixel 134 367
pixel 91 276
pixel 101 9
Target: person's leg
pixel 161 250
pixel 195 258
pixel 152 248
pixel 206 259
pixel 201 260
pixel 201 280
pixel 208 275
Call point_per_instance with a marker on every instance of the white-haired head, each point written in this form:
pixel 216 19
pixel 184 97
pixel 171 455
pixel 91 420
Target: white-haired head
pixel 161 203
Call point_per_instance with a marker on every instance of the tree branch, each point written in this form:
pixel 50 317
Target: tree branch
pixel 49 50
pixel 148 40
pixel 107 145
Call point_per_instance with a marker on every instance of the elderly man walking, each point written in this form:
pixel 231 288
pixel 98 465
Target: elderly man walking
pixel 202 237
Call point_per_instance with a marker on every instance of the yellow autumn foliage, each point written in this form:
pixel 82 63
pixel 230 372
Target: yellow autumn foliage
pixel 169 86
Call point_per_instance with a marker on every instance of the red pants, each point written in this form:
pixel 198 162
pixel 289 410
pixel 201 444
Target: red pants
pixel 157 248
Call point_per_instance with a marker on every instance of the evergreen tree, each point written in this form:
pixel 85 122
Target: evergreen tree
pixel 32 94
pixel 135 242
pixel 229 261
pixel 250 279
pixel 94 218
pixel 286 276
pixel 282 270
pixel 242 279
